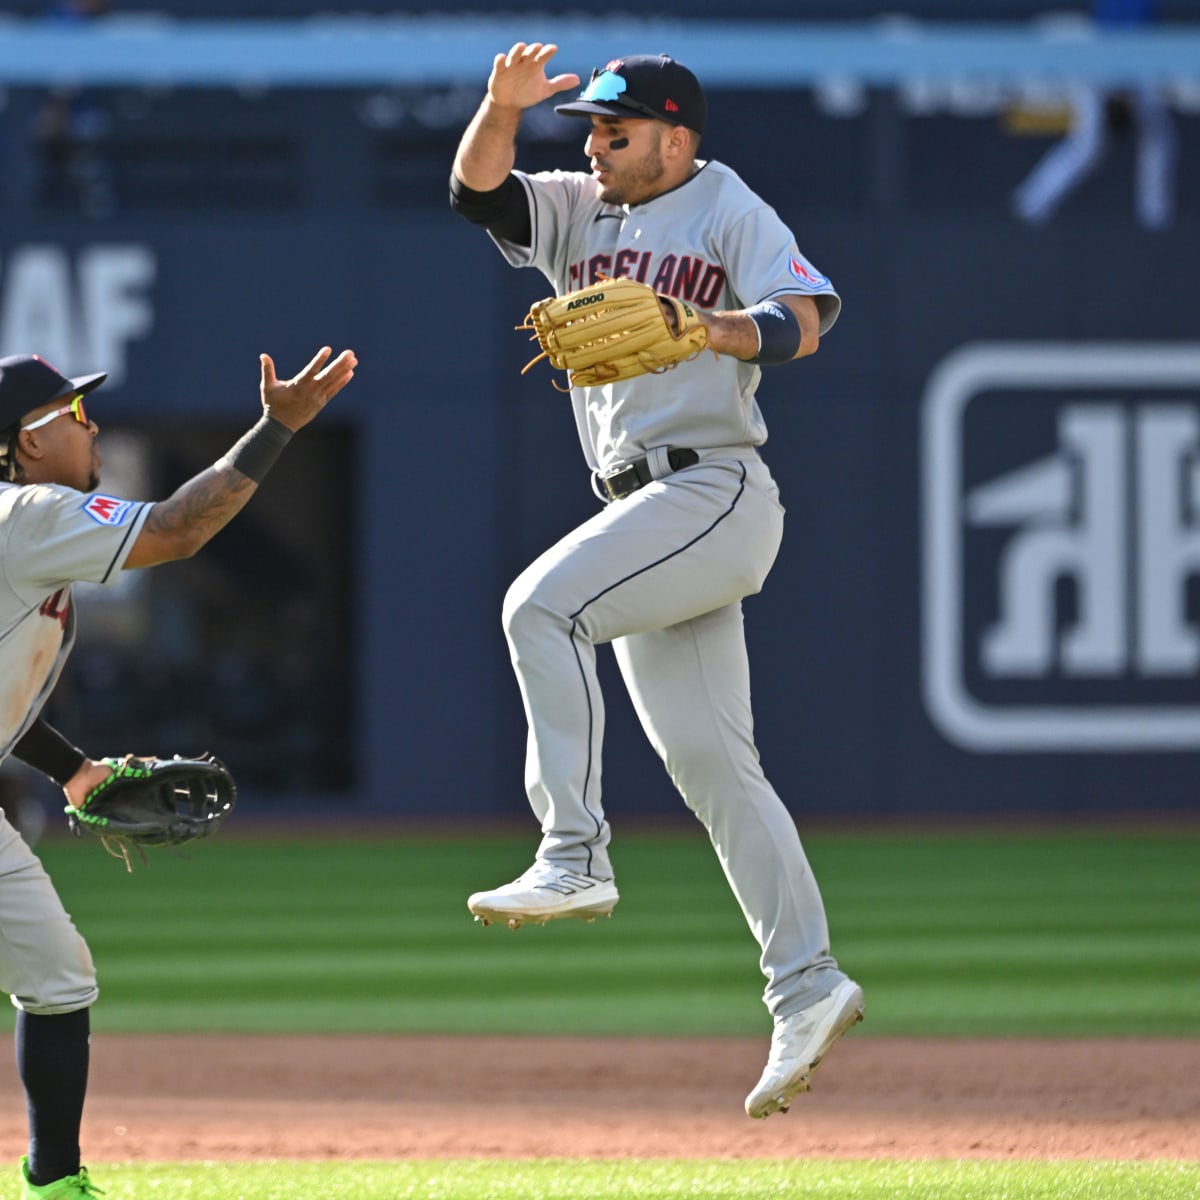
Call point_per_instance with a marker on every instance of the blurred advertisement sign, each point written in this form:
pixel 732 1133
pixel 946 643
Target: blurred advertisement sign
pixel 78 308
pixel 1061 544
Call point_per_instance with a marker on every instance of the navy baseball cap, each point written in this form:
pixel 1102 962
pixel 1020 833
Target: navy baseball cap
pixel 643 85
pixel 28 381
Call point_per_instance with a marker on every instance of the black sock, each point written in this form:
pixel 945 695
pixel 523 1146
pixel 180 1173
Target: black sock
pixel 52 1060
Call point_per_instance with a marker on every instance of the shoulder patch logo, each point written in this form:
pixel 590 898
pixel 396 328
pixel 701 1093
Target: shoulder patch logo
pixel 807 275
pixel 107 510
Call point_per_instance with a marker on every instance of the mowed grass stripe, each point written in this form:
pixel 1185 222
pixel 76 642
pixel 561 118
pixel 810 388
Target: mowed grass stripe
pixel 1051 1007
pixel 585 965
pixel 626 1013
pixel 1153 951
pixel 250 929
pixel 1053 934
pixel 659 1179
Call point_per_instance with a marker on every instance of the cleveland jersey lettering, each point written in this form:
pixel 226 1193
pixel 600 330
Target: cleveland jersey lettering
pixel 710 242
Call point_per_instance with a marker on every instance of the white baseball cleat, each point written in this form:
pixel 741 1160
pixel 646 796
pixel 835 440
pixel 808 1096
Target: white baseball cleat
pixel 545 893
pixel 798 1045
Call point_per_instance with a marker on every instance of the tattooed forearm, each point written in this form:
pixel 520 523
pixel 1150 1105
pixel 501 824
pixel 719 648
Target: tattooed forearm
pixel 203 505
pixel 178 526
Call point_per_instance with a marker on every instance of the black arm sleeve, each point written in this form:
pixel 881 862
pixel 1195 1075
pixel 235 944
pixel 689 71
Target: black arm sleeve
pixel 46 750
pixel 503 212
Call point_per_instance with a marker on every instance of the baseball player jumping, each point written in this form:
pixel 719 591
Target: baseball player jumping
pixel 55 529
pixel 691 524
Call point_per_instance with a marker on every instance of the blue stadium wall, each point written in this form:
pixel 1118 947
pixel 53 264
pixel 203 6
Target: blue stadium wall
pixel 994 407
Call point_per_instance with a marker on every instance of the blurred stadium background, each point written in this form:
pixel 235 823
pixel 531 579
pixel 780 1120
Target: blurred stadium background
pixel 988 600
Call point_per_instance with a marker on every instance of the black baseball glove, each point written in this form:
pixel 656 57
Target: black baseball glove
pixel 155 802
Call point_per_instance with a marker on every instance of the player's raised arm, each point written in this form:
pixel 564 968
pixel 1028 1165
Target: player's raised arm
pixel 518 81
pixel 178 526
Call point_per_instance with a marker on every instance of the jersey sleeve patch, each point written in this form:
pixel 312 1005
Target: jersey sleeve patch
pixel 806 275
pixel 107 510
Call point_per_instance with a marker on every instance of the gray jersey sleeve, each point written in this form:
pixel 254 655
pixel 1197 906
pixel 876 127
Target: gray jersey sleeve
pixel 762 259
pixel 559 204
pixel 52 536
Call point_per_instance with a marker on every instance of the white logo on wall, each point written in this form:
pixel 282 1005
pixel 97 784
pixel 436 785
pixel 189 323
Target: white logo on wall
pixel 1061 543
pixel 80 310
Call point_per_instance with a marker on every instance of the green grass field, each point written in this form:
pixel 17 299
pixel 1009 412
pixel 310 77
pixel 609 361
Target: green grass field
pixel 1055 934
pixel 662 1179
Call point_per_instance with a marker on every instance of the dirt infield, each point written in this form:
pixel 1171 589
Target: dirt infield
pixel 215 1097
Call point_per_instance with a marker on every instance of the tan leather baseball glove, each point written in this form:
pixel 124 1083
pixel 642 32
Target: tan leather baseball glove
pixel 613 329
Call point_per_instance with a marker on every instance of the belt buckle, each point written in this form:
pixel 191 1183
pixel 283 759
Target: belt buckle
pixel 616 485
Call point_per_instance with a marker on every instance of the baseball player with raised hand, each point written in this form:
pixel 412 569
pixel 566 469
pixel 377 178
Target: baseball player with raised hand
pixel 56 529
pixel 692 520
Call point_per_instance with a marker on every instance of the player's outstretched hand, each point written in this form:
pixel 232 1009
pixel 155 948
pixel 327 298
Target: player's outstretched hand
pixel 519 80
pixel 295 401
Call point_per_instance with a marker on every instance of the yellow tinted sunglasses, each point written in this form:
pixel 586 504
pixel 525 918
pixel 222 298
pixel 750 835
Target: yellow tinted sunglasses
pixel 75 408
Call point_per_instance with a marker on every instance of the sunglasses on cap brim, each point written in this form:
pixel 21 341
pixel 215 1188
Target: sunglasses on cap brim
pixel 607 87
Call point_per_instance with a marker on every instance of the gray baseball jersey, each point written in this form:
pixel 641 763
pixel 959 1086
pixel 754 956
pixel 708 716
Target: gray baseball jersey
pixel 50 537
pixel 661 573
pixel 712 242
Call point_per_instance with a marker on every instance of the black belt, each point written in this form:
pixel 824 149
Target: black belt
pixel 620 484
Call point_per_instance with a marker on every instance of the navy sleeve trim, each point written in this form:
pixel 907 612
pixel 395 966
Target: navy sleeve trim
pixel 134 529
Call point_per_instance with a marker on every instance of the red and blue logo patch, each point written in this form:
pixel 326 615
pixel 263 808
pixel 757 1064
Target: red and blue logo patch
pixel 806 275
pixel 107 510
